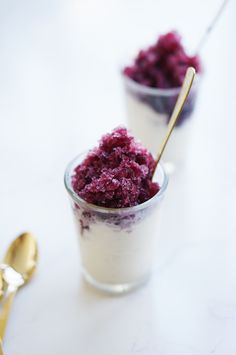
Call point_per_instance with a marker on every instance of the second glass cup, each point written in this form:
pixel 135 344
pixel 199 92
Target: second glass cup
pixel 148 114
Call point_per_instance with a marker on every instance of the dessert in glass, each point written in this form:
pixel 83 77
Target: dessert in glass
pixel 116 200
pixel 152 85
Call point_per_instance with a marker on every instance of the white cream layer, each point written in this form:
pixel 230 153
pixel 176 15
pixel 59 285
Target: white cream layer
pixel 118 256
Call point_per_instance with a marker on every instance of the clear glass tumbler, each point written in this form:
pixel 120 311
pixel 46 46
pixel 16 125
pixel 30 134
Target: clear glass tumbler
pixel 148 114
pixel 117 245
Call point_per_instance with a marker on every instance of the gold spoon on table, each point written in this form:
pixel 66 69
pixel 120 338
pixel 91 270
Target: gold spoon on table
pixel 19 265
pixel 1 351
pixel 184 92
pixel 1 294
pixel 1 284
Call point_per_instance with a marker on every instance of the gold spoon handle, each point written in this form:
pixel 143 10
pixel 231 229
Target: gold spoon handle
pixel 211 25
pixel 1 350
pixel 188 80
pixel 4 315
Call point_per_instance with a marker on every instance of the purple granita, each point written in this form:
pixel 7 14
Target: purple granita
pixel 162 65
pixel 118 173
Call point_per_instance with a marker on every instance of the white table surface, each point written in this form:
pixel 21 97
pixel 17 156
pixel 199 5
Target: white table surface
pixel 60 89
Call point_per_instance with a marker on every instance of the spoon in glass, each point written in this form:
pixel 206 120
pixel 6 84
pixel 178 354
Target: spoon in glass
pixel 19 265
pixel 184 92
pixel 211 26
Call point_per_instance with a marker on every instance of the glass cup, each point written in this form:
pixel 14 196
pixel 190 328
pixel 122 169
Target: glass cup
pixel 148 114
pixel 117 245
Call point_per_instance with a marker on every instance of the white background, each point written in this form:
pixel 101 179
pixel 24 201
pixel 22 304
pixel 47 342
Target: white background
pixel 60 89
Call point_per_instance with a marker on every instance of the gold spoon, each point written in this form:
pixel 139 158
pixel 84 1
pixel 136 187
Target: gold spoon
pixel 19 265
pixel 1 351
pixel 1 285
pixel 185 89
pixel 211 25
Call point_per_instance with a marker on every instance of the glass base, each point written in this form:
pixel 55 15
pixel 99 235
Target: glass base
pixel 114 289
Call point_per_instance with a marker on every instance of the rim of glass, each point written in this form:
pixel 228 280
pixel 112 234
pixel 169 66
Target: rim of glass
pixel 67 181
pixel 154 91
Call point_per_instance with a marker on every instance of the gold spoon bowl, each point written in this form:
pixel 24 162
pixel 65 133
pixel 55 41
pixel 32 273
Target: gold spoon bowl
pixel 18 267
